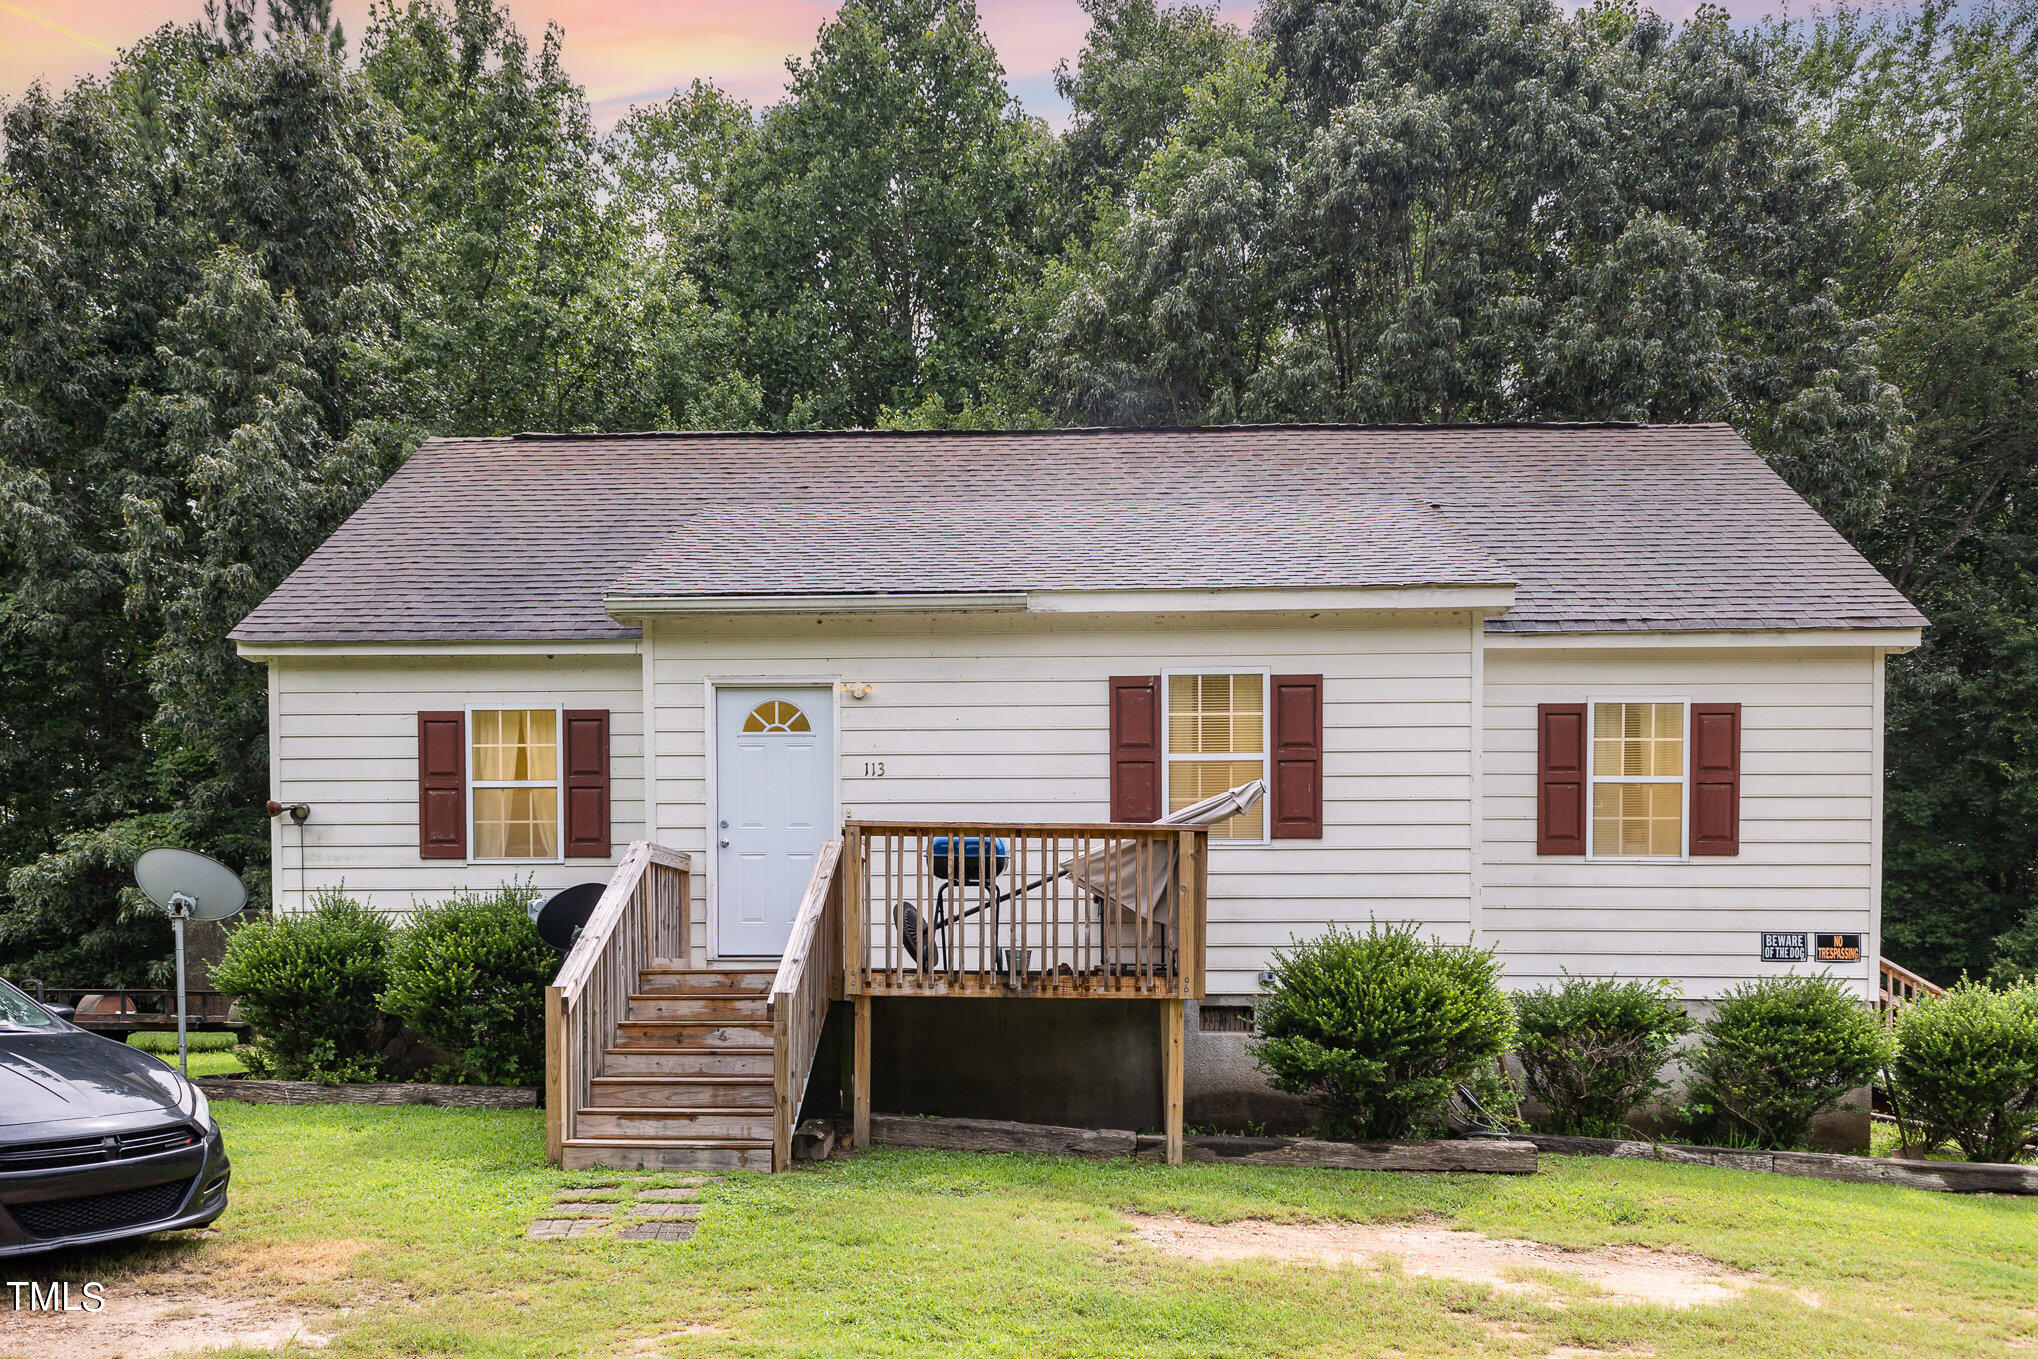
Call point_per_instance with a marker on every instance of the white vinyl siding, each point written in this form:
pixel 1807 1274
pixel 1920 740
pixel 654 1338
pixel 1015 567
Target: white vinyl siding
pixel 1807 856
pixel 1007 718
pixel 344 731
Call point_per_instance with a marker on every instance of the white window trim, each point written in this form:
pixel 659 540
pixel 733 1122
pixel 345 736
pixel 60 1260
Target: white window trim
pixel 1593 780
pixel 557 782
pixel 1168 758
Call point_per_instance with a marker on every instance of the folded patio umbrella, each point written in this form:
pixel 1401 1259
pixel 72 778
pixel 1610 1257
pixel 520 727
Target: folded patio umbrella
pixel 1139 877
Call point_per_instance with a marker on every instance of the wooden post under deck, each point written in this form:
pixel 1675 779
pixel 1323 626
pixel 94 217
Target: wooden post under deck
pixel 555 1075
pixel 859 1078
pixel 1171 1079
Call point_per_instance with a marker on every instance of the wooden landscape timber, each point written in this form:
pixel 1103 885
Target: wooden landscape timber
pixel 252 1091
pixel 1470 1156
pixel 996 1134
pixel 1491 1156
pixel 1947 1177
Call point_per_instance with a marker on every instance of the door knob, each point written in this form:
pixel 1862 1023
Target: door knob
pixel 725 844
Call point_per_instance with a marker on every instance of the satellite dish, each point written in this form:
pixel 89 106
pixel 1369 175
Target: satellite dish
pixel 205 887
pixel 190 887
pixel 561 916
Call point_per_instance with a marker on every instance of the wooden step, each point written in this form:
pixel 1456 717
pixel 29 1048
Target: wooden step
pixel 683 1092
pixel 681 1033
pixel 687 1061
pixel 723 1009
pixel 610 1121
pixel 698 981
pixel 671 1153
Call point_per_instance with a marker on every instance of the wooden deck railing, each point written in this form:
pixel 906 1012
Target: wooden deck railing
pixel 640 919
pixel 1902 987
pixel 809 976
pixel 1111 910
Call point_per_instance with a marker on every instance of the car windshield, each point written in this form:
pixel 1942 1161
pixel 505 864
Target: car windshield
pixel 17 1011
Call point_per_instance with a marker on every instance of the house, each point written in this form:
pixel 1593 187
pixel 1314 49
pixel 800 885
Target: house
pixel 1606 697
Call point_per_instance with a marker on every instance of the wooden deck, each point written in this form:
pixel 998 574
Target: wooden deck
pixel 653 1063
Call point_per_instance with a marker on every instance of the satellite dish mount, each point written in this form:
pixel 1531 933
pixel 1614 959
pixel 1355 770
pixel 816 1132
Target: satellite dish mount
pixel 187 886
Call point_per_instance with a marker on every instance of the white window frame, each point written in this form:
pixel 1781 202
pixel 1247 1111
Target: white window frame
pixel 1593 780
pixel 557 782
pixel 1168 757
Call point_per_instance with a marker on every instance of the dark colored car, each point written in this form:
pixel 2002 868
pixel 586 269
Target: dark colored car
pixel 98 1140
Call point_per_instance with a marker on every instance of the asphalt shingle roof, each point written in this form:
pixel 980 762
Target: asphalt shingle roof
pixel 1053 543
pixel 1601 527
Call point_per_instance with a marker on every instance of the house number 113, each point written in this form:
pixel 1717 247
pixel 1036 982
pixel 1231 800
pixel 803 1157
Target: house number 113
pixel 873 769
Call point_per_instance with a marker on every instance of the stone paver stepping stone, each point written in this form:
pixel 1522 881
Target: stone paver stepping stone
pixel 578 1208
pixel 556 1228
pixel 658 1231
pixel 669 1195
pixel 668 1210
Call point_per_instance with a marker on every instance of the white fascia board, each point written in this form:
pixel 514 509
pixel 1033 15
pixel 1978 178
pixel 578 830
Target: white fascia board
pixel 560 646
pixel 630 606
pixel 1457 598
pixel 1889 639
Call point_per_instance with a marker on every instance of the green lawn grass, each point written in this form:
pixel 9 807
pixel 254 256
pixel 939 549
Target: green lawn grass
pixel 207 1054
pixel 415 1216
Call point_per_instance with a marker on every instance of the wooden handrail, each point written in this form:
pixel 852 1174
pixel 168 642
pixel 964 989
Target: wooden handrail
pixel 602 921
pixel 1046 909
pixel 1147 829
pixel 642 918
pixel 1901 987
pixel 807 975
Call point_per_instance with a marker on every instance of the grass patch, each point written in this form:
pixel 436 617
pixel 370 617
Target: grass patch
pixel 416 1216
pixel 210 1054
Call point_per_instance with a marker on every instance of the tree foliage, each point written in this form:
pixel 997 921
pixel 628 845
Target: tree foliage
pixel 876 219
pixel 197 264
pixel 1935 117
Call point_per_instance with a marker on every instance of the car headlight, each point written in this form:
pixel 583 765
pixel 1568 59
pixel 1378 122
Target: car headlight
pixel 201 1107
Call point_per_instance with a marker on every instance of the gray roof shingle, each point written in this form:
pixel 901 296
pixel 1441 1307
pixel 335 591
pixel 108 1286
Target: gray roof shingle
pixel 1601 527
pixel 1099 543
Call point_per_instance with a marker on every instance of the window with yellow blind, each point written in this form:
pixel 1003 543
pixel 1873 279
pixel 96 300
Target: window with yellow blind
pixel 1638 776
pixel 1217 739
pixel 514 769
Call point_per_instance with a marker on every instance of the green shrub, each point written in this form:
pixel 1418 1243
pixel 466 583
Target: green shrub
pixel 1778 1053
pixel 1966 1069
pixel 309 984
pixel 468 975
pixel 1377 1028
pixel 1592 1051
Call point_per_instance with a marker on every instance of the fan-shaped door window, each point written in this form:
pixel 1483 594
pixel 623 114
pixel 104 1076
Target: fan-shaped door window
pixel 776 717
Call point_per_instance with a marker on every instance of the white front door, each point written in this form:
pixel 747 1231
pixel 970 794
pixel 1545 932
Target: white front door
pixel 775 805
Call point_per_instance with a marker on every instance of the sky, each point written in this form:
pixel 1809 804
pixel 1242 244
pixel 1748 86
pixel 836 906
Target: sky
pixel 623 51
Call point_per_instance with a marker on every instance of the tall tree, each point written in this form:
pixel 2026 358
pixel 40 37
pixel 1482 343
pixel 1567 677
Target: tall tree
pixel 668 164
pixel 194 287
pixel 1482 210
pixel 1936 118
pixel 1130 84
pixel 528 319
pixel 877 220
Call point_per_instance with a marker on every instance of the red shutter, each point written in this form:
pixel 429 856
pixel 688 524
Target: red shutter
pixel 586 783
pixel 1296 797
pixel 1560 778
pixel 442 785
pixel 1715 778
pixel 1135 748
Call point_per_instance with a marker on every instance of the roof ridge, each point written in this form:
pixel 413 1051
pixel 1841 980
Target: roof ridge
pixel 1376 426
